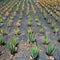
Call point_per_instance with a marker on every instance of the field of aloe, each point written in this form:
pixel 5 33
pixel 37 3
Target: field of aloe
pixel 30 30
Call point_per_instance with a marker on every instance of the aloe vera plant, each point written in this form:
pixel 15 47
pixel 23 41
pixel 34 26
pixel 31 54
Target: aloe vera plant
pixel 29 23
pixel 17 31
pixel 56 18
pixel 46 40
pixel 3 31
pixel 30 30
pixel 59 38
pixel 1 40
pixel 31 37
pixel 56 29
pixel 53 24
pixel 41 30
pixel 1 20
pixel 14 41
pixel 51 13
pixel 11 47
pixel 50 49
pixel 49 21
pixel 45 15
pixel 34 52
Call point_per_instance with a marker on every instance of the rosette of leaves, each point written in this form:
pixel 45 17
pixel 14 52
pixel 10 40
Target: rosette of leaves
pixel 30 30
pixel 11 47
pixel 56 18
pixel 48 11
pixel 56 29
pixel 16 31
pixel 29 23
pixel 1 40
pixel 31 37
pixel 36 19
pixel 59 38
pixel 41 10
pixel 41 30
pixel 49 21
pixel 1 20
pixel 14 41
pixel 46 40
pixel 51 13
pixel 34 52
pixel 12 44
pixel 3 31
pixel 53 25
pixel 38 23
pixel 50 49
pixel 45 15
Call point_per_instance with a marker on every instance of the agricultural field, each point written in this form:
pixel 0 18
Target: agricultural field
pixel 30 30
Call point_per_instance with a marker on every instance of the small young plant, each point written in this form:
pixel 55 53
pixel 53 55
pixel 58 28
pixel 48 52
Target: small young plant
pixel 41 10
pixel 38 23
pixel 18 23
pixel 41 30
pixel 56 18
pixel 56 29
pixel 11 47
pixel 9 23
pixel 1 20
pixel 50 50
pixel 7 13
pixel 31 37
pixel 53 25
pixel 29 23
pixel 30 30
pixel 45 15
pixel 46 40
pixel 59 38
pixel 16 31
pixel 51 13
pixel 1 41
pixel 34 52
pixel 15 41
pixel 48 11
pixel 49 21
pixel 3 31
pixel 36 20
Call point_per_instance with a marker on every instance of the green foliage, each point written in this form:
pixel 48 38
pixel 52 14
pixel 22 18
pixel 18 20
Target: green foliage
pixel 49 21
pixel 11 47
pixel 17 31
pixel 59 38
pixel 51 13
pixel 34 51
pixel 53 24
pixel 14 41
pixel 46 40
pixel 1 40
pixel 56 18
pixel 56 29
pixel 45 15
pixel 12 44
pixel 41 30
pixel 30 31
pixel 1 21
pixel 36 19
pixel 31 37
pixel 38 23
pixel 51 49
pixel 29 23
pixel 41 10
pixel 3 31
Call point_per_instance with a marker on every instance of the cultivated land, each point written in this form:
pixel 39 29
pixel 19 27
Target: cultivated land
pixel 30 30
